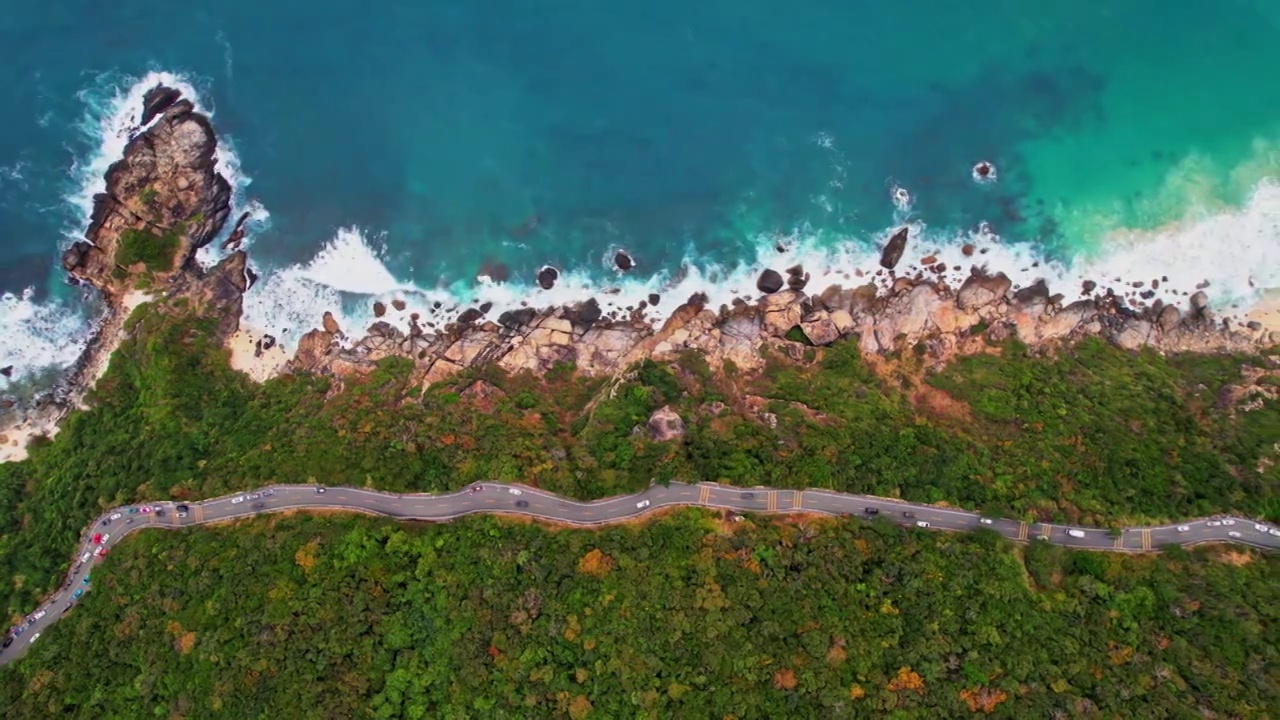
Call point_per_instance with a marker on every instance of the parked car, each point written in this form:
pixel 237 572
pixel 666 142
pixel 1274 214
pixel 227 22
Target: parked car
pixel 85 557
pixel 34 638
pixel 76 595
pixel 237 500
pixel 921 523
pixel 97 538
pixel 39 614
pixel 515 491
pixel 267 492
pixel 144 509
pixel 183 510
pixel 1214 523
pixel 748 496
pixel 7 642
pixel 115 516
pixel 105 537
pixel 1233 533
pixel 1228 521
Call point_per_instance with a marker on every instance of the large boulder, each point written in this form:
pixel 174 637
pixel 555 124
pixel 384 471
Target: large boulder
pixel 770 282
pixel 980 290
pixel 665 425
pixel 893 249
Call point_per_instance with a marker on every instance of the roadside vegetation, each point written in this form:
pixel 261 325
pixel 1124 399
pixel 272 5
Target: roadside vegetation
pixel 685 616
pixel 1092 435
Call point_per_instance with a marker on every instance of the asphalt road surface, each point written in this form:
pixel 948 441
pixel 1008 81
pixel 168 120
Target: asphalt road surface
pixel 496 498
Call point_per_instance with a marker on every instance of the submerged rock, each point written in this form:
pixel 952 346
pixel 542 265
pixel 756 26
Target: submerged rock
pixel 379 309
pixel 547 277
pixel 623 261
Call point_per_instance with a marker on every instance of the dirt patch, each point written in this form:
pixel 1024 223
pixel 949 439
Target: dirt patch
pixel 938 403
pixel 1235 557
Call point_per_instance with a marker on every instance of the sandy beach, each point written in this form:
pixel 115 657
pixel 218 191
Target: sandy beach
pixel 1267 310
pixel 260 366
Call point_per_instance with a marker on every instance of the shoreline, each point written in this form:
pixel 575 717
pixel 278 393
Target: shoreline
pixel 167 186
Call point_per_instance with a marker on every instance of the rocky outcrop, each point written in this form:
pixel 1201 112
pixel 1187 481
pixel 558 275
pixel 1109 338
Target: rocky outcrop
pixel 165 187
pixel 912 313
pixel 893 249
pixel 769 282
pixel 664 424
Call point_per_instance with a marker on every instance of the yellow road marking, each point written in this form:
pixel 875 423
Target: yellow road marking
pixel 704 496
pixel 797 498
pixel 1045 530
pixel 1146 540
pixel 773 500
pixel 1023 529
pixel 1119 541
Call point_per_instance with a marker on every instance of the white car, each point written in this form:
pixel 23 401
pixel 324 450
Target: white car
pixel 1214 523
pixel 1233 533
pixel 1260 528
pixel 1075 533
pixel 921 523
pixel 642 504
pixel 115 516
pixel 85 557
pixel 1228 522
pixel 39 615
pixel 237 500
pixel 1183 528
pixel 515 491
pixel 34 638
pixel 265 493
pixel 1274 531
pixel 985 521
pixel 105 538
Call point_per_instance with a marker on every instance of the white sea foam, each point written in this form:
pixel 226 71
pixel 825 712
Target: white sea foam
pixel 1237 253
pixel 37 336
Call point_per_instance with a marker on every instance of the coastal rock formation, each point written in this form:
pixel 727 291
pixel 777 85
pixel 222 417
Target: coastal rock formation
pixel 926 312
pixel 165 188
pixel 893 249
pixel 770 282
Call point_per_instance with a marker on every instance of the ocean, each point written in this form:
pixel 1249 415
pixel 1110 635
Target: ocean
pixel 407 149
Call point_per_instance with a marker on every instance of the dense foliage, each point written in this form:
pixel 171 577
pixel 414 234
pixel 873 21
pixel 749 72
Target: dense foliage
pixel 1091 435
pixel 155 251
pixel 689 616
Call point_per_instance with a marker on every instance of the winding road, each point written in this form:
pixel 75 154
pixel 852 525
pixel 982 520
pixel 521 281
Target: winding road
pixel 114 525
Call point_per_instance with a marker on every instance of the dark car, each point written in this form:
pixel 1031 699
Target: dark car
pixel 908 514
pixel 748 496
pixel 871 511
pixel 522 503
pixel 258 506
pixel 8 641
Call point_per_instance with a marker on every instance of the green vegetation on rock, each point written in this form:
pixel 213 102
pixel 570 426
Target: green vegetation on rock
pixel 304 617
pixel 156 252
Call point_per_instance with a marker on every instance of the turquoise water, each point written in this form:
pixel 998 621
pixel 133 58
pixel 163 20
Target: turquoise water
pixel 684 133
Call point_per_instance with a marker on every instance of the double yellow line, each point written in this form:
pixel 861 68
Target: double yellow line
pixel 1146 540
pixel 704 496
pixel 1119 541
pixel 773 500
pixel 1023 530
